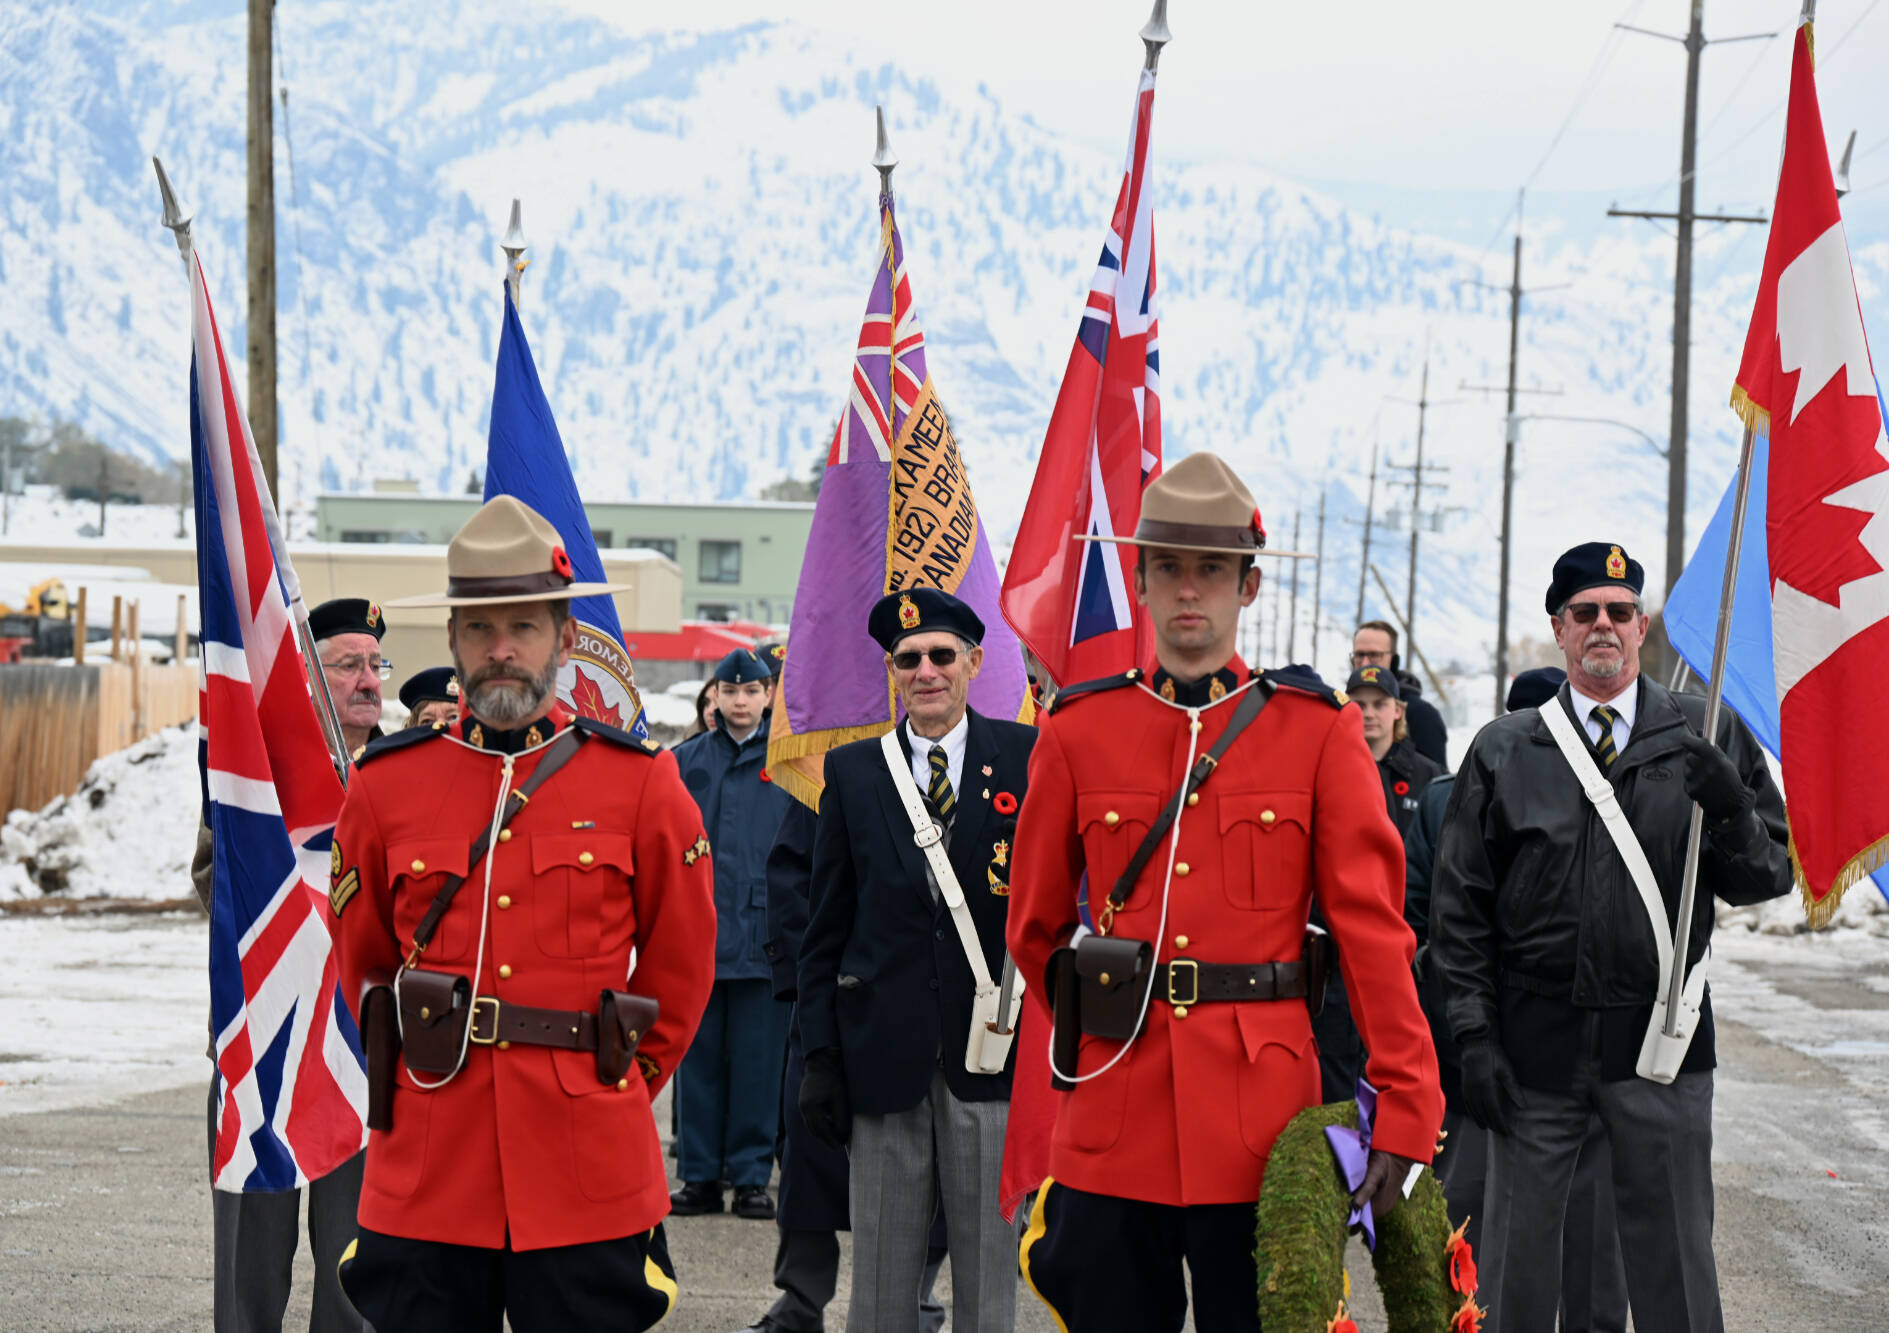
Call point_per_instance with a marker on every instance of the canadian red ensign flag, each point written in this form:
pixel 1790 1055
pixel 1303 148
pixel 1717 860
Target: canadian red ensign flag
pixel 1806 382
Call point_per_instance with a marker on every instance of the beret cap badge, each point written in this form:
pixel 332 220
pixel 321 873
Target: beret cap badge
pixel 1616 563
pixel 908 614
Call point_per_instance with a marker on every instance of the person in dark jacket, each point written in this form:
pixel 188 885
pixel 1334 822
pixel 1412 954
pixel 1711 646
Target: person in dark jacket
pixel 1401 767
pixel 728 1086
pixel 1374 643
pixel 1550 963
pixel 1593 1281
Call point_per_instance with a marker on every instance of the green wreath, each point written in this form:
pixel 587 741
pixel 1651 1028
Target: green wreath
pixel 1424 1270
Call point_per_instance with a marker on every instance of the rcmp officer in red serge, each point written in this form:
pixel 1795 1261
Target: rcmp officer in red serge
pixel 521 1175
pixel 1160 1147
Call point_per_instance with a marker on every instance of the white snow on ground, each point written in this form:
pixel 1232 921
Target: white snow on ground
pixel 128 832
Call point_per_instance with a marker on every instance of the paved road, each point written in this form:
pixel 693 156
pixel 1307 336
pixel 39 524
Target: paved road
pixel 104 1220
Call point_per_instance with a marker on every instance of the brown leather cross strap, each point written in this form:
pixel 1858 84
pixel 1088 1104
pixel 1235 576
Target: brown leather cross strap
pixel 554 758
pixel 1182 981
pixel 567 1029
pixel 1243 714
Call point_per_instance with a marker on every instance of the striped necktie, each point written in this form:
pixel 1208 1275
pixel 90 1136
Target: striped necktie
pixel 940 791
pixel 1605 716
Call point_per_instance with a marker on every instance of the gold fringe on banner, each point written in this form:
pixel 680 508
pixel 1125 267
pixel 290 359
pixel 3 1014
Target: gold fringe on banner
pixel 1819 911
pixel 1757 418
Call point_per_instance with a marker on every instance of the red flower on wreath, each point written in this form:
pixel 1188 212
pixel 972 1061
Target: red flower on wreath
pixel 1469 1318
pixel 1341 1322
pixel 561 563
pixel 1005 803
pixel 1401 788
pixel 1462 1261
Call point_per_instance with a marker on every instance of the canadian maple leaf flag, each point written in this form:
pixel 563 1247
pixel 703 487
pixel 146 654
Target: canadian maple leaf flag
pixel 1807 384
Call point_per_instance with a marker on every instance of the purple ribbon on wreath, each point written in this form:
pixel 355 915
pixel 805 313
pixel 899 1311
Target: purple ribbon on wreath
pixel 1352 1148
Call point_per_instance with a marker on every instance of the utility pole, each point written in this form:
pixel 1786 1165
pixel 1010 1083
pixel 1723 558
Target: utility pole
pixel 1318 579
pixel 262 406
pixel 104 484
pixel 1292 623
pixel 1417 469
pixel 1695 44
pixel 1370 517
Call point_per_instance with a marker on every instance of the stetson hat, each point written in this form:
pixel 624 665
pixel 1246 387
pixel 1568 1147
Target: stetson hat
pixel 508 552
pixel 1197 505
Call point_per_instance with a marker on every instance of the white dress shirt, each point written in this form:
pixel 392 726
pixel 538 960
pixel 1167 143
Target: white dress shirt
pixel 953 742
pixel 1625 705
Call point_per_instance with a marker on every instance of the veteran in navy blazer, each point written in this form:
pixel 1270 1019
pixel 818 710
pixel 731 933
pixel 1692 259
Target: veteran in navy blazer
pixel 885 988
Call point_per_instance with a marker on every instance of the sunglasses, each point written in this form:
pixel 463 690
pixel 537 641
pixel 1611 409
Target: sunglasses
pixel 1586 613
pixel 940 657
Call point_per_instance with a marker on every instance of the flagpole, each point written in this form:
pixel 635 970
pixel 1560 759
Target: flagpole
pixel 514 245
pixel 1155 35
pixel 327 716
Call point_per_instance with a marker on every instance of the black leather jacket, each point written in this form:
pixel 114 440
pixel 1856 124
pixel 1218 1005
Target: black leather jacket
pixel 1529 893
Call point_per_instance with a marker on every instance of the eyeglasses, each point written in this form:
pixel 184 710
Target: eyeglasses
pixel 940 657
pixel 1370 659
pixel 1586 613
pixel 354 666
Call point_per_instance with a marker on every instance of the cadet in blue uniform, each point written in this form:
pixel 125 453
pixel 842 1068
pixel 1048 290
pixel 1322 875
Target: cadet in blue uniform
pixel 728 1088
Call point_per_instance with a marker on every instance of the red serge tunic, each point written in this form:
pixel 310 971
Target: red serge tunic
pixel 1294 810
pixel 607 858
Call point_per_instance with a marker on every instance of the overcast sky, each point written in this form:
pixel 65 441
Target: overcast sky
pixel 1389 93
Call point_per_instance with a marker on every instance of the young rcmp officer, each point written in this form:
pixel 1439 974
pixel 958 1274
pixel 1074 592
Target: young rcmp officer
pixel 728 1088
pixel 1160 1147
pixel 521 1174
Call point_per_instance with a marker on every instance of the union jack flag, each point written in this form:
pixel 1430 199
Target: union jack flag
pixel 890 367
pixel 291 1091
pixel 1070 601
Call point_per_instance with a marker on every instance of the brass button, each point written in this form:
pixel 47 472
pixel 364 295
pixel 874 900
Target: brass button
pixel 1180 941
pixel 585 858
pixel 1180 1011
pixel 418 865
pixel 1180 868
pixel 505 970
pixel 425 1012
pixel 1103 979
pixel 1111 819
pixel 623 1085
pixel 1193 798
pixel 505 1046
pixel 504 901
pixel 504 835
pixel 1267 816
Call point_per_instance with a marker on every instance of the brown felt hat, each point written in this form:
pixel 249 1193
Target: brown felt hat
pixel 508 552
pixel 1197 505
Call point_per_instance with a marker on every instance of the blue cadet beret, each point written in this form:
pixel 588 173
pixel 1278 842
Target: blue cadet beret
pixel 920 611
pixel 1592 565
pixel 346 615
pixel 742 666
pixel 1532 689
pixel 434 685
pixel 1375 678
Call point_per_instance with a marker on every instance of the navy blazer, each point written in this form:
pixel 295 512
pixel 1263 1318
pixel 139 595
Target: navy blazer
pixel 741 811
pixel 882 974
pixel 789 871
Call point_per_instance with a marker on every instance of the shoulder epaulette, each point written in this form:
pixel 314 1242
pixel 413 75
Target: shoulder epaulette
pixel 1095 686
pixel 1299 676
pixel 616 735
pixel 395 740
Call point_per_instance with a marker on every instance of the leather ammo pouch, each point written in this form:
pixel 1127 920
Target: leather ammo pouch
pixel 622 1019
pixel 434 1010
pixel 1112 979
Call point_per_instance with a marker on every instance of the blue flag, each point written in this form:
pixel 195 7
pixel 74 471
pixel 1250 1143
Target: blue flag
pixel 1692 609
pixel 524 457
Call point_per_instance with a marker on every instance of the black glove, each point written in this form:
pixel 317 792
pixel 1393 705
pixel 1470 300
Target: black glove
pixel 1490 1093
pixel 824 1104
pixel 1383 1185
pixel 1713 780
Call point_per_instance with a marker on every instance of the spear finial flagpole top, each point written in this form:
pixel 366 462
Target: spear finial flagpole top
pixel 1155 34
pixel 173 215
pixel 884 159
pixel 514 245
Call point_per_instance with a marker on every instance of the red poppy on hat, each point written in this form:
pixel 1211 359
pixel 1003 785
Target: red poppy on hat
pixel 1259 526
pixel 1005 803
pixel 561 563
pixel 1401 788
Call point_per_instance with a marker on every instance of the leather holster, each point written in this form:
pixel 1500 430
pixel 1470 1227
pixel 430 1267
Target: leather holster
pixel 1320 956
pixel 622 1020
pixel 434 1010
pixel 1112 979
pixel 380 1043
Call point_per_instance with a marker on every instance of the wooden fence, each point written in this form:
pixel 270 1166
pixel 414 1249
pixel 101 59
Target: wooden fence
pixel 56 720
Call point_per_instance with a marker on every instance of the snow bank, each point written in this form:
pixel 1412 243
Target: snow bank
pixel 1863 908
pixel 128 832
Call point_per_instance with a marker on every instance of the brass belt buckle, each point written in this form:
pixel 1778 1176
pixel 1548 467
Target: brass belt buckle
pixel 1193 977
pixel 491 1035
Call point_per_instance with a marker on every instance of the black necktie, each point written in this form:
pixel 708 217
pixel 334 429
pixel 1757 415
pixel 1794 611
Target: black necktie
pixel 940 790
pixel 1605 716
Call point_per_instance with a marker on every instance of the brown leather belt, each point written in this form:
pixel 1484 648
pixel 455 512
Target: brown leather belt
pixel 566 1029
pixel 1185 982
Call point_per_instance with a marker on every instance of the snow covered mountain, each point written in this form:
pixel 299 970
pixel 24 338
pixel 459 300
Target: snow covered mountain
pixel 701 208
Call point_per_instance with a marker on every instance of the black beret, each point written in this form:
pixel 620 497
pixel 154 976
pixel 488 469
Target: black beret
pixel 346 615
pixel 921 611
pixel 775 655
pixel 434 685
pixel 1534 688
pixel 1375 678
pixel 742 666
pixel 1592 565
